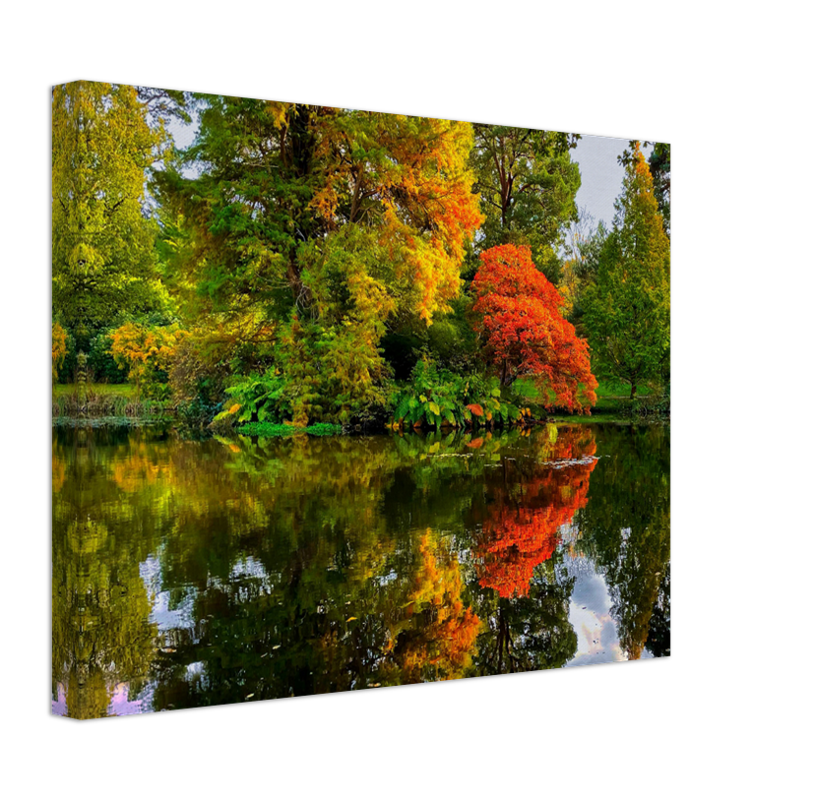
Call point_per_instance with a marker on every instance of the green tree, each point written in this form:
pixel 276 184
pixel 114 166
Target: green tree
pixel 659 162
pixel 626 310
pixel 527 183
pixel 102 239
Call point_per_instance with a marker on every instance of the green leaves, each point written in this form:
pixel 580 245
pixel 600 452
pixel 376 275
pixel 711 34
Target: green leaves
pixel 437 397
pixel 103 256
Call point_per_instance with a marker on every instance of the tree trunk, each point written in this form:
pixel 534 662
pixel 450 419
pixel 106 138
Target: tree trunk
pixel 633 391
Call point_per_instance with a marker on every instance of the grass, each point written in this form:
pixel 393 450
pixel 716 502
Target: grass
pixel 103 401
pixel 271 429
pixel 101 389
pixel 613 402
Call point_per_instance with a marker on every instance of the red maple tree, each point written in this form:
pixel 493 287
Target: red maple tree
pixel 524 332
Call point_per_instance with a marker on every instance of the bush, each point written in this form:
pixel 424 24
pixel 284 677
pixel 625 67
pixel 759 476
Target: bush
pixel 145 354
pixel 438 397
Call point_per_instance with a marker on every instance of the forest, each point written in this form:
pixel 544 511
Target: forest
pixel 296 267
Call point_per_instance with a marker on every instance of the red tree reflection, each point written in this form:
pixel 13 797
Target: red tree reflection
pixel 522 528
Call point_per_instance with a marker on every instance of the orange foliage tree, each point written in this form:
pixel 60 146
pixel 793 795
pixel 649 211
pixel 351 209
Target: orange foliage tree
pixel 524 332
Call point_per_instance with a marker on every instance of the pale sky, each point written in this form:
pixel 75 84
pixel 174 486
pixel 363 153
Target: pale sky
pixel 602 176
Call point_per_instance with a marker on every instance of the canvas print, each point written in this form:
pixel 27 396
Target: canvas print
pixel 348 399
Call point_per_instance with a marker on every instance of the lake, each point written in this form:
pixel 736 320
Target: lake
pixel 192 573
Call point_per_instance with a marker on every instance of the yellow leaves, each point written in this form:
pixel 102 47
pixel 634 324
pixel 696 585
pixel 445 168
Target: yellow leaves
pixel 59 348
pixel 351 619
pixel 142 350
pixel 278 112
pixel 235 408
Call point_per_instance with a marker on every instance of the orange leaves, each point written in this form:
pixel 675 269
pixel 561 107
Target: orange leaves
pixel 476 409
pixel 524 331
pixel 432 210
pixel 518 536
pixel 143 351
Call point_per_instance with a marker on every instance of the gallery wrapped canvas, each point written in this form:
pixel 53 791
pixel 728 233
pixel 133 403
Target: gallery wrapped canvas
pixel 348 399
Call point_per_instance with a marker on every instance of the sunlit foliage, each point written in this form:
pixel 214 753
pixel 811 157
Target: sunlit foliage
pixel 102 242
pixel 59 348
pixel 145 353
pixel 310 227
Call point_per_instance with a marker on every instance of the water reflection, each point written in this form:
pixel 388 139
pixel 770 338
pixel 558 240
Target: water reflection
pixel 195 573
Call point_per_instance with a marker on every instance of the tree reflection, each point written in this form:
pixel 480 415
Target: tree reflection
pixel 100 626
pixel 528 506
pixel 626 529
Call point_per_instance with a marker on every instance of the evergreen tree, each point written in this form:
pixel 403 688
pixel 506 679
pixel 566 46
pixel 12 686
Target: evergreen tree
pixel 626 311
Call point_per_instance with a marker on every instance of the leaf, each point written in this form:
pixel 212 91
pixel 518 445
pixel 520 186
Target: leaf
pixel 476 409
pixel 434 408
pixel 351 619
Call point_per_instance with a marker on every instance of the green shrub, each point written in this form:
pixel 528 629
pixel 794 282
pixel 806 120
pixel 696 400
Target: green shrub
pixel 437 397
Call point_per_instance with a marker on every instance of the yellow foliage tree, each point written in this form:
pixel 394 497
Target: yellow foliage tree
pixel 59 348
pixel 145 352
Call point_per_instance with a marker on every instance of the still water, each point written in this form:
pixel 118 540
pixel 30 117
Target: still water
pixel 190 573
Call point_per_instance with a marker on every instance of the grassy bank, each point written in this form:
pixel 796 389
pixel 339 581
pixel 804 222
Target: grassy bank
pixel 102 401
pixel 614 404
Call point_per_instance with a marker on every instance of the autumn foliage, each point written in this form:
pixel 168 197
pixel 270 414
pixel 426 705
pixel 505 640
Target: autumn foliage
pixel 524 332
pixel 145 352
pixel 521 533
pixel 59 348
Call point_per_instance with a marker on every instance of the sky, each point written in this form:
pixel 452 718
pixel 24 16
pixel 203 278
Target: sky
pixel 602 176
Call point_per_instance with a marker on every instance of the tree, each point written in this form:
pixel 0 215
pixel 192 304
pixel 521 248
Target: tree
pixel 528 183
pixel 102 241
pixel 145 354
pixel 524 333
pixel 659 162
pixel 59 349
pixel 331 220
pixel 627 308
